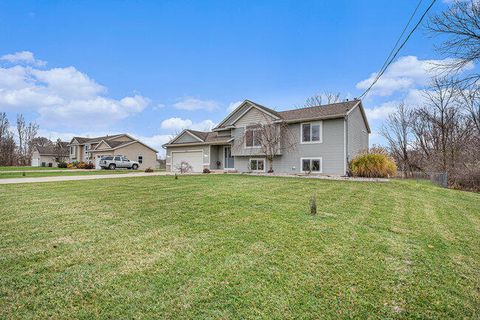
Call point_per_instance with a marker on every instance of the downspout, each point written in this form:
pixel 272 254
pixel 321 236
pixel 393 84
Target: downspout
pixel 345 140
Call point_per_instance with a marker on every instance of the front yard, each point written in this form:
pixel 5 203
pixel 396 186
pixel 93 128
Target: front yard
pixel 232 246
pixel 64 173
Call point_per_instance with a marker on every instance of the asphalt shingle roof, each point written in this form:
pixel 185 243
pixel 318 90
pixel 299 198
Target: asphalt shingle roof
pixel 52 150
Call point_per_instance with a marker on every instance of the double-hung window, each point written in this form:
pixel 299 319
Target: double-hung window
pixel 312 165
pixel 140 159
pixel 311 132
pixel 252 137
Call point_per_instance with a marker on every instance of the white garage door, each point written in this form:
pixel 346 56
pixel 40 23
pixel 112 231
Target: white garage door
pixel 193 158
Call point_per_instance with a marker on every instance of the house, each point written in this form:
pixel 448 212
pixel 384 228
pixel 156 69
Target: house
pixel 325 138
pixel 90 150
pixel 49 156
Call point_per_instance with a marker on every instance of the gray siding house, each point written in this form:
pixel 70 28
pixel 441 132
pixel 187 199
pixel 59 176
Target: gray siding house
pixel 321 140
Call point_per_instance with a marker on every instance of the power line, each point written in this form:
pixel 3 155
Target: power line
pixel 383 69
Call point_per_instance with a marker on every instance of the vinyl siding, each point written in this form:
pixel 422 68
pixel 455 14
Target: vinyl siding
pixel 357 133
pixel 132 151
pixel 331 150
pixel 186 138
pixel 253 116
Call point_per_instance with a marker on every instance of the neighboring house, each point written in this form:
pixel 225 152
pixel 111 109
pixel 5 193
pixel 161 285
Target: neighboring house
pixel 90 150
pixel 50 156
pixel 327 137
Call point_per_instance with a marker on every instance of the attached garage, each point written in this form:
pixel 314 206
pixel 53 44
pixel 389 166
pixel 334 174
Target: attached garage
pixel 193 158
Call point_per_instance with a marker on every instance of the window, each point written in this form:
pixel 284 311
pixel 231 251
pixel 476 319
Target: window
pixel 312 165
pixel 311 132
pixel 257 165
pixel 71 150
pixel 140 159
pixel 118 158
pixel 252 138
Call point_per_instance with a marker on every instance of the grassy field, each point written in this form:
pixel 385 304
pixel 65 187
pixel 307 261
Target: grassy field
pixel 236 247
pixel 18 168
pixel 6 174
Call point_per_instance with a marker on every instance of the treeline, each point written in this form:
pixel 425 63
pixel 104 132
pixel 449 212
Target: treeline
pixel 443 133
pixel 16 143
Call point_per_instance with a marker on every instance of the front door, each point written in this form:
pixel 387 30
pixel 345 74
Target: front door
pixel 229 161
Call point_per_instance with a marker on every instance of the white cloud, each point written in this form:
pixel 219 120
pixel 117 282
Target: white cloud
pixel 62 96
pixel 381 112
pixel 178 124
pixel 406 73
pixel 23 57
pixel 232 106
pixel 193 104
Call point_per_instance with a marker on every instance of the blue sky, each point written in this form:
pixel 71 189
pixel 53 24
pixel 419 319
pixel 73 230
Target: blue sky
pixel 151 68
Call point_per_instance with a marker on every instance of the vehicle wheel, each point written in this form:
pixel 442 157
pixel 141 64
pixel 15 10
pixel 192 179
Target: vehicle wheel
pixel 135 167
pixel 112 166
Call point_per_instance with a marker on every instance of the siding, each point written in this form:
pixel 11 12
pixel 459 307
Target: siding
pixel 186 138
pixel 204 148
pixel 136 149
pixel 331 150
pixel 253 116
pixel 357 133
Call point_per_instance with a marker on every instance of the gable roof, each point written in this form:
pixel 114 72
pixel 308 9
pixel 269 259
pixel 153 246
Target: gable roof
pixel 109 142
pixel 82 140
pixel 329 111
pixel 250 104
pixel 52 150
pixel 204 136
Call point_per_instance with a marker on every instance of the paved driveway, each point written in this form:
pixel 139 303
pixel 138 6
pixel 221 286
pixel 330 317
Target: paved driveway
pixel 75 178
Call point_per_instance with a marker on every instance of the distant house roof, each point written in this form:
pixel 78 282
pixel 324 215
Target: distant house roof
pixel 53 151
pixel 108 140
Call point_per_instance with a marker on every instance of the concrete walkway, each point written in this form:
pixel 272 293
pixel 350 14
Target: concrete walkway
pixel 76 178
pixel 53 170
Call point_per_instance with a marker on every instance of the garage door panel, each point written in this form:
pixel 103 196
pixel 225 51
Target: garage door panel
pixel 193 158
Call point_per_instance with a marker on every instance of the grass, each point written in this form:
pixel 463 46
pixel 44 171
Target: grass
pixel 26 168
pixel 236 247
pixel 26 174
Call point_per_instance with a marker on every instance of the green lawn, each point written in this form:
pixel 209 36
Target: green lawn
pixel 17 168
pixel 237 247
pixel 6 174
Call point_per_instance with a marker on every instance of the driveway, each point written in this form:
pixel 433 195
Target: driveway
pixel 75 178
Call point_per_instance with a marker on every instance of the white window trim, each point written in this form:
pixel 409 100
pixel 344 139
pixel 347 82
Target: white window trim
pixel 311 123
pixel 258 159
pixel 312 158
pixel 245 140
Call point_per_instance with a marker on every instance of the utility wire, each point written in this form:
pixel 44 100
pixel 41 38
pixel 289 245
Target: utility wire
pixel 383 69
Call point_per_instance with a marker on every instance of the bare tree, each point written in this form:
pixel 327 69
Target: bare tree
pixel 7 142
pixel 470 100
pixel 398 132
pixel 42 142
pixel 60 151
pixel 460 25
pixel 26 133
pixel 321 99
pixel 267 138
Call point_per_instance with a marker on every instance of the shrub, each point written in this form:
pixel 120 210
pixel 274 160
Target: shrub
pixel 373 165
pixel 206 170
pixel 149 170
pixel 89 166
pixel 62 164
pixel 70 166
pixel 81 165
